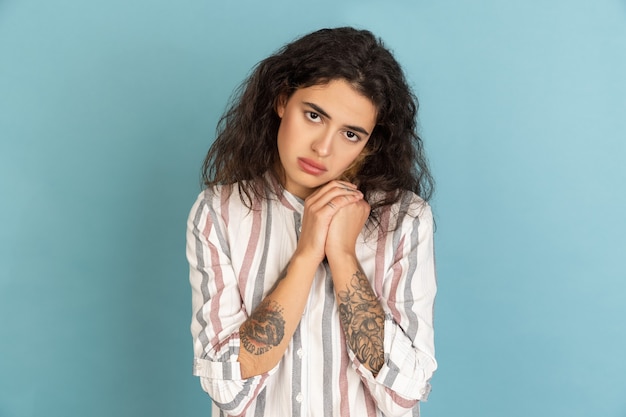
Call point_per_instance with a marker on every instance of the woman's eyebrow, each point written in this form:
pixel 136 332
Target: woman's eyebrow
pixel 321 111
pixel 317 109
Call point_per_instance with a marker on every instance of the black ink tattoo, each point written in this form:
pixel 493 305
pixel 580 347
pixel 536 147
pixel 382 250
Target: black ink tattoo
pixel 363 323
pixel 264 329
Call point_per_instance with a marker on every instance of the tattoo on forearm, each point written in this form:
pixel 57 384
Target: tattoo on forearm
pixel 264 329
pixel 362 318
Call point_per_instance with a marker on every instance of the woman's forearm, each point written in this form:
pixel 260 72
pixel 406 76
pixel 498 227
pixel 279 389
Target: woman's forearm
pixel 361 314
pixel 267 332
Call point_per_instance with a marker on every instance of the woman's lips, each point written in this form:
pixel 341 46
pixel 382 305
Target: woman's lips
pixel 311 167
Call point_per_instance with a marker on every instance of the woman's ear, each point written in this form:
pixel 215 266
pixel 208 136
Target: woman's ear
pixel 281 103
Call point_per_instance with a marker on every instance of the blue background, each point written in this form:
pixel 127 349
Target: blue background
pixel 108 107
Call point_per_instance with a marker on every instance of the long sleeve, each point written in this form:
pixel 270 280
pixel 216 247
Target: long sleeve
pixel 236 255
pixel 218 309
pixel 407 291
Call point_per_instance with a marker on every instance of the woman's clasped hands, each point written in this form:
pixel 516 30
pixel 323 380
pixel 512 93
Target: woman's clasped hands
pixel 334 215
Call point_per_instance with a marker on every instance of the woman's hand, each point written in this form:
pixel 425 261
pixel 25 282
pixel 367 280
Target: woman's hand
pixel 345 227
pixel 319 210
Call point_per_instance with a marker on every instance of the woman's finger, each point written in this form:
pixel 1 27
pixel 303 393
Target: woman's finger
pixel 331 193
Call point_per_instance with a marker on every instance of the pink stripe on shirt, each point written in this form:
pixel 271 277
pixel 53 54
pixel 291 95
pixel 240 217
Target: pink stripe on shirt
pixel 255 232
pixel 402 402
pixel 344 405
pixel 214 316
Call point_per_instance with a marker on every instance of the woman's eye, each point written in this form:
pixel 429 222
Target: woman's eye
pixel 313 116
pixel 352 137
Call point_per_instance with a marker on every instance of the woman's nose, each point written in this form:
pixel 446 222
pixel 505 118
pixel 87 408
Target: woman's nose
pixel 322 145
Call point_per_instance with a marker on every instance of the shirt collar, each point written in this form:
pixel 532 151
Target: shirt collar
pixel 291 201
pixel 287 199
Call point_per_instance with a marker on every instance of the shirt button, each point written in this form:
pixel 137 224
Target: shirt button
pixel 300 353
pixel 299 397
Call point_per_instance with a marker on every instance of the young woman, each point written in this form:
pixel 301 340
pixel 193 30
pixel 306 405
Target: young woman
pixel 311 248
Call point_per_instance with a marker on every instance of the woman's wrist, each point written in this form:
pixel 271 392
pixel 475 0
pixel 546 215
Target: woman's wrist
pixel 301 261
pixel 342 258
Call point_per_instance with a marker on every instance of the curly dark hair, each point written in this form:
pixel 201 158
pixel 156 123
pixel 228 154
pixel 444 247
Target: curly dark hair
pixel 245 148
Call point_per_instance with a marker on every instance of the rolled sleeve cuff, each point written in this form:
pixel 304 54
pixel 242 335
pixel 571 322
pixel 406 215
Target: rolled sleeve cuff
pixel 406 370
pixel 226 371
pixel 222 381
pixel 205 368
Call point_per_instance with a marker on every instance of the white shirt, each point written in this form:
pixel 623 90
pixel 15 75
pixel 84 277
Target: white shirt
pixel 235 257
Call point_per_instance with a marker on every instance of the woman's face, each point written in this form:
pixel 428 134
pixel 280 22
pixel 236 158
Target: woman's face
pixel 323 129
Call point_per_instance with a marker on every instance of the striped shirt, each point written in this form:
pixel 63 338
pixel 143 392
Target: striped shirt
pixel 236 255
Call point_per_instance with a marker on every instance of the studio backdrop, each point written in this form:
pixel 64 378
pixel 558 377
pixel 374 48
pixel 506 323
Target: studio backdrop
pixel 107 109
